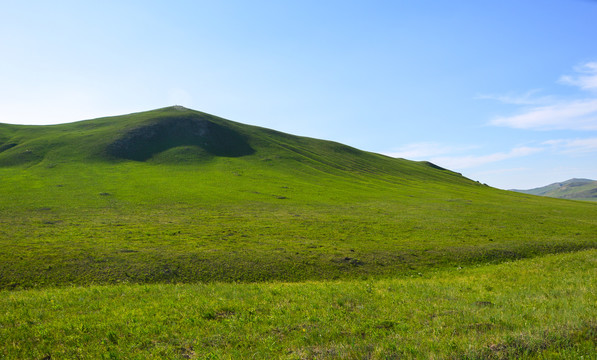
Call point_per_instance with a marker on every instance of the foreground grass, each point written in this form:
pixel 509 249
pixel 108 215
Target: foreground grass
pixel 544 307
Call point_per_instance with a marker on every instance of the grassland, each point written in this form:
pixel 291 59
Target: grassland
pixel 176 234
pixel 534 308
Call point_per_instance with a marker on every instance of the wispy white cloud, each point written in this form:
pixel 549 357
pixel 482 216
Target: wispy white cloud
pixel 586 79
pixel 553 114
pixel 528 98
pixel 448 156
pixel 574 146
pixel 470 161
pixel 503 171
pixel 425 150
pixel 573 115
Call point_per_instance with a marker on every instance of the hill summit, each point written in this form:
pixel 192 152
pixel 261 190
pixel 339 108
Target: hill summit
pixel 177 135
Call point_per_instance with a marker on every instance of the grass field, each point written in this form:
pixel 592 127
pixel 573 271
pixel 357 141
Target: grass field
pixel 176 234
pixel 535 308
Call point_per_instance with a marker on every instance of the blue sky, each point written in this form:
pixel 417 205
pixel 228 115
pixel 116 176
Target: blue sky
pixel 504 92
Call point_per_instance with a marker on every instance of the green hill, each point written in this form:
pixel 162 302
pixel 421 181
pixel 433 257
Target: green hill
pixel 176 195
pixel 578 189
pixel 176 135
pixel 188 236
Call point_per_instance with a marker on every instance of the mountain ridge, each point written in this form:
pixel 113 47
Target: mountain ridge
pixel 575 188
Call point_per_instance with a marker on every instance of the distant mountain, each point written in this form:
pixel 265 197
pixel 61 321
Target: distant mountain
pixel 579 189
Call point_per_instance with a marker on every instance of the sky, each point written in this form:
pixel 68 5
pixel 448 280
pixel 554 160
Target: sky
pixel 504 92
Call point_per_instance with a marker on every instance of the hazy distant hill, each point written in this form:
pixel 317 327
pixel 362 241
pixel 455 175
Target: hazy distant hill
pixel 580 189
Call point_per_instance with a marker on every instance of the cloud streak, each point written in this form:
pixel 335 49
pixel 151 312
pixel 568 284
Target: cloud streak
pixel 470 161
pixel 425 150
pixel 573 115
pixel 447 155
pixel 578 114
pixel 527 98
pixel 587 80
pixel 574 146
pixel 438 154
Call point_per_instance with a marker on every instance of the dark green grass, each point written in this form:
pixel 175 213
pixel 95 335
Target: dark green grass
pixel 292 209
pixel 541 308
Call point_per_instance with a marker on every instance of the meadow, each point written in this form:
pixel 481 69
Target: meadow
pixel 176 234
pixel 97 227
pixel 538 308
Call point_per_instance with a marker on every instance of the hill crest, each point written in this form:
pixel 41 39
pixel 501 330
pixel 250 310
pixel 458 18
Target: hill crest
pixel 179 136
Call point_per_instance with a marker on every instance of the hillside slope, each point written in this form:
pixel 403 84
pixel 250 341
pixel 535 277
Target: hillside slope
pixel 578 189
pixel 177 135
pixel 176 195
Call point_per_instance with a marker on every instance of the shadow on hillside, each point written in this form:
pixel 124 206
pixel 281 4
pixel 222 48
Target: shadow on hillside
pixel 144 142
